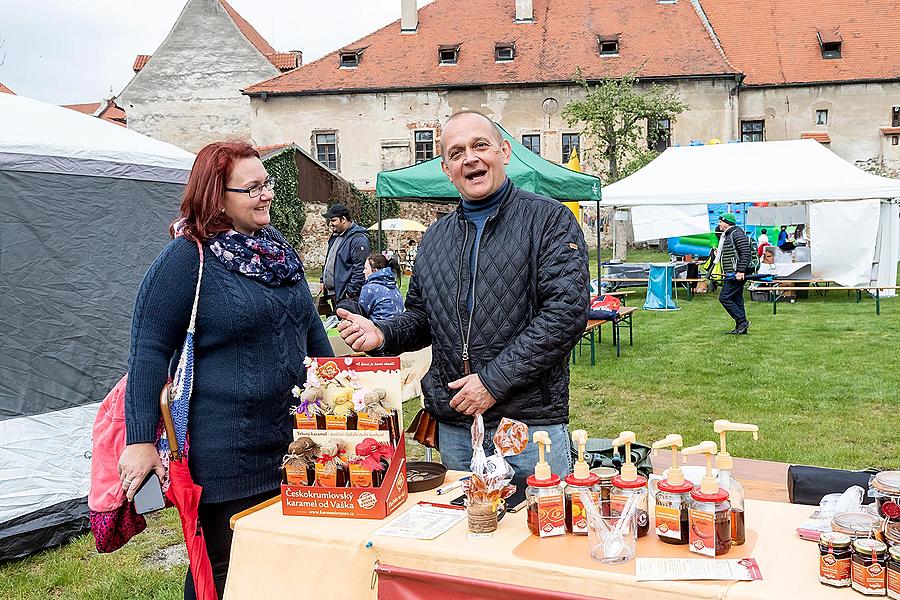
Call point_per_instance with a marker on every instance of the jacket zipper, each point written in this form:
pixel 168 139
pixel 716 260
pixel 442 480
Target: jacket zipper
pixel 465 340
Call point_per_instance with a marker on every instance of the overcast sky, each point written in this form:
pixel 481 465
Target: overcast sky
pixel 73 51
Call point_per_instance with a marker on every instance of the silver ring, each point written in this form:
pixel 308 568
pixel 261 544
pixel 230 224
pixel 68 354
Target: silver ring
pixel 126 483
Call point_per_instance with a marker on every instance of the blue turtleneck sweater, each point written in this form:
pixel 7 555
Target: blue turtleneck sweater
pixel 477 213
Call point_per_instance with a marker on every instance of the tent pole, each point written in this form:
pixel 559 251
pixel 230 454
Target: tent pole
pixel 378 216
pixel 599 261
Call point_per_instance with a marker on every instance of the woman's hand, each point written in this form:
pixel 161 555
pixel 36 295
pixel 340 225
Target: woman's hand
pixel 358 332
pixel 135 463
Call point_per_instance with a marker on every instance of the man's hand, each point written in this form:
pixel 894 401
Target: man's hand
pixel 473 398
pixel 739 276
pixel 359 332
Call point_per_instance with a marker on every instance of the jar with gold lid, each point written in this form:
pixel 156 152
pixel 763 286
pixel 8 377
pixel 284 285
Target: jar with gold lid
pixel 834 559
pixel 868 567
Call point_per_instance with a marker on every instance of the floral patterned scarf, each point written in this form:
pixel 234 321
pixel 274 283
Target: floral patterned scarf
pixel 266 256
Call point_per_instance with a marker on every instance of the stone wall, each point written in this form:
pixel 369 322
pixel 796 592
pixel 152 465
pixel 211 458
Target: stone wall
pixel 188 94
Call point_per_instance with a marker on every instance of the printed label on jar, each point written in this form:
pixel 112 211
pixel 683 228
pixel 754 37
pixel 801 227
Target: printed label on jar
pixel 365 422
pixel 360 476
pixel 869 579
pixel 551 515
pixel 296 475
pixel 834 571
pixel 668 522
pixel 893 584
pixel 702 538
pixel 326 475
pixel 335 423
pixel 305 422
pixel 579 515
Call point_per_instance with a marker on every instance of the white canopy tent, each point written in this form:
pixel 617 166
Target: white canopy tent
pixel 853 214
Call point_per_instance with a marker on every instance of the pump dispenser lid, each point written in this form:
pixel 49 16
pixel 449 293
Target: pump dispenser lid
pixel 542 468
pixel 581 474
pixel 722 426
pixel 674 481
pixel 709 486
pixel 628 472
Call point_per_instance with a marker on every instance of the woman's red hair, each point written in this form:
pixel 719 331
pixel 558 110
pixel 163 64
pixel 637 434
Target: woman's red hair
pixel 201 215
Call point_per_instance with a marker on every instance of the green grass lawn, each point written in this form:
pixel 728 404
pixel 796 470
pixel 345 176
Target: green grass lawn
pixel 820 379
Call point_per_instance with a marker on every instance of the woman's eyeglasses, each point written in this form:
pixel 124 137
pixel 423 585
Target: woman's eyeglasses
pixel 256 190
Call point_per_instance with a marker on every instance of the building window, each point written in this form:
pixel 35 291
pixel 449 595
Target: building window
pixel 659 135
pixel 895 116
pixel 326 149
pixel 895 140
pixel 609 46
pixel 350 59
pixel 831 49
pixel 753 131
pixel 821 117
pixel 424 145
pixel 570 141
pixel 448 55
pixel 504 52
pixel 532 141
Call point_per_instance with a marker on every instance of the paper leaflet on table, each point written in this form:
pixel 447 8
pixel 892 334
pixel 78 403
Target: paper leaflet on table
pixel 696 569
pixel 424 521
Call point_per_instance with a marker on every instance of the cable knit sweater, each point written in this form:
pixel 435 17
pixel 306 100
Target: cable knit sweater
pixel 249 347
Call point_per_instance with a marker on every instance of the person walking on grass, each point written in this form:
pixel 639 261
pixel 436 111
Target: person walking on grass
pixel 734 256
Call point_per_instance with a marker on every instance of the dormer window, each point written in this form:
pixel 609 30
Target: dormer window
pixel 504 52
pixel 829 43
pixel 448 55
pixel 350 58
pixel 609 45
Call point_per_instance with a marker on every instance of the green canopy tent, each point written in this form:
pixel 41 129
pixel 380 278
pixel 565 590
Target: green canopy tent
pixel 426 181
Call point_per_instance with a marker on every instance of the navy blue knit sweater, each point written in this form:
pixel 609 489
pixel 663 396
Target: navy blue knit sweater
pixel 249 347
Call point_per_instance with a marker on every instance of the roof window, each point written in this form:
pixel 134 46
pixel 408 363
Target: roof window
pixel 504 51
pixel 448 55
pixel 608 45
pixel 350 58
pixel 829 43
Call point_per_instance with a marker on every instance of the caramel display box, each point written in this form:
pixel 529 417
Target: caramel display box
pixel 356 502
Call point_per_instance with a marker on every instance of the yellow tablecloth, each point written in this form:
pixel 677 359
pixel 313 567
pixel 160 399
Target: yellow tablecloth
pixel 275 556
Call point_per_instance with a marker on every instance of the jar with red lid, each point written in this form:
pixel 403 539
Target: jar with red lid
pixel 709 519
pixel 622 490
pixel 546 513
pixel 673 502
pixel 576 516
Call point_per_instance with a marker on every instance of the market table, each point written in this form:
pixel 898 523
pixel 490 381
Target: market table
pixel 275 556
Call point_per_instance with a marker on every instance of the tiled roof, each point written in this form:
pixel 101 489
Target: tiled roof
pixel 139 61
pixel 777 41
pixel 270 148
pixel 890 131
pixel 249 32
pixel 89 108
pixel 285 61
pixel 820 136
pixel 6 90
pixel 655 39
pixel 111 111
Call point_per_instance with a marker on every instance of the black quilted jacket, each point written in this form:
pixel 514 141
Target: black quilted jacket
pixel 531 303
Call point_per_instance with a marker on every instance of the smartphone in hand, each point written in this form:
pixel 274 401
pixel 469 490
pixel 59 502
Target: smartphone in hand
pixel 149 497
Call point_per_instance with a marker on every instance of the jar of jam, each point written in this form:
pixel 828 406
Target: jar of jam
pixel 709 519
pixel 856 524
pixel 869 567
pixel 605 475
pixel 892 534
pixel 576 516
pixel 671 512
pixel 546 513
pixel 893 573
pixel 834 559
pixel 886 488
pixel 624 489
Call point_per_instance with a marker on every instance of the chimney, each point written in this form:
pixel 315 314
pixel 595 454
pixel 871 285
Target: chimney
pixel 524 11
pixel 409 16
pixel 298 56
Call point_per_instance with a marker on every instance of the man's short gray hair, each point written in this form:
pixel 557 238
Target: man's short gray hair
pixel 480 114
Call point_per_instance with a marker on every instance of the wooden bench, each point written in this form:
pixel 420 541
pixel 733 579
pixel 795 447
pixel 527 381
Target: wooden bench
pixel 623 320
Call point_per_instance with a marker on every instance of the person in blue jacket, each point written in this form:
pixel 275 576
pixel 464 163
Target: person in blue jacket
pixel 380 296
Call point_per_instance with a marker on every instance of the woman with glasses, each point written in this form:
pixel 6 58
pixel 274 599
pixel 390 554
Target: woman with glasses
pixel 256 322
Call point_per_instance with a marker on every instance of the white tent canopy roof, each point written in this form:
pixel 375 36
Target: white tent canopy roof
pixel 31 128
pixel 791 171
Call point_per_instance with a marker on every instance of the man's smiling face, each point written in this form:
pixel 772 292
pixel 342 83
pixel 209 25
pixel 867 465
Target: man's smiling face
pixel 474 156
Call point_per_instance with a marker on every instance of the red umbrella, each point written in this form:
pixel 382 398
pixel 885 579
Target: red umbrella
pixel 185 495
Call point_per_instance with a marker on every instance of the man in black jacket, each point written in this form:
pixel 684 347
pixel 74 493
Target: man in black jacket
pixel 734 254
pixel 345 261
pixel 500 292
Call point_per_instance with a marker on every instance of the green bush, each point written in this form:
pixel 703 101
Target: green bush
pixel 288 213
